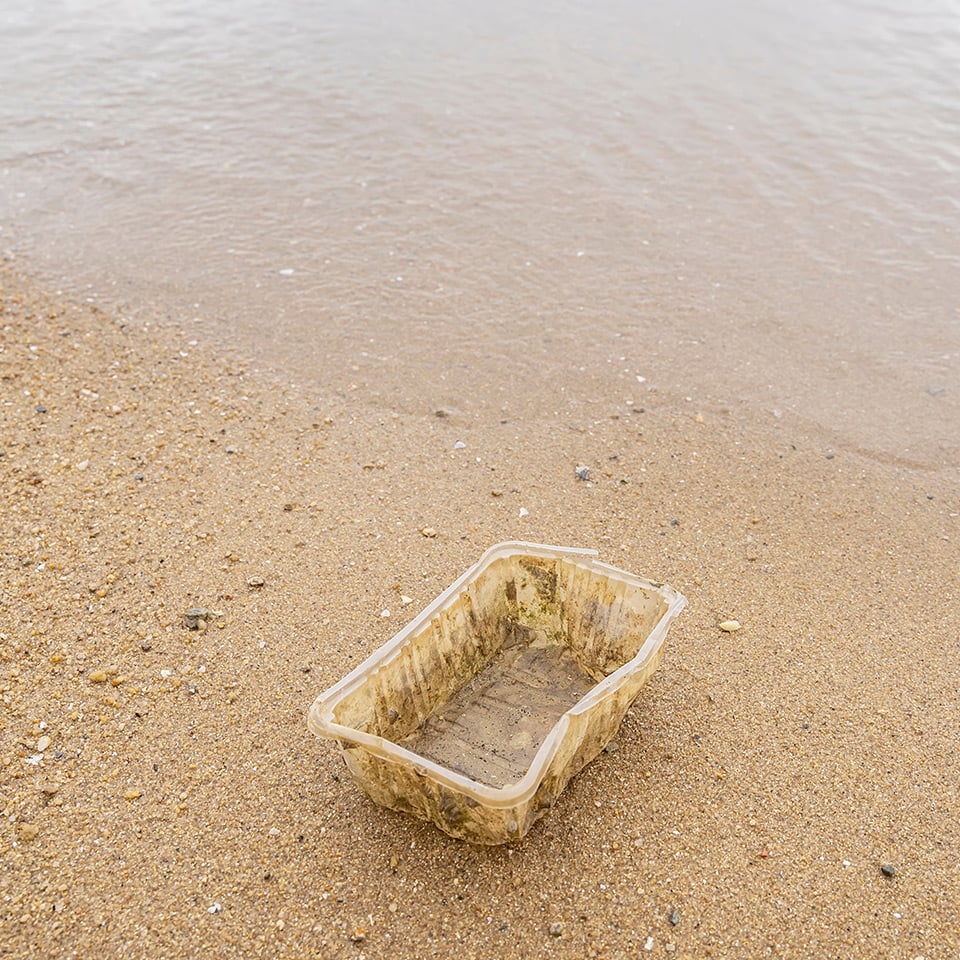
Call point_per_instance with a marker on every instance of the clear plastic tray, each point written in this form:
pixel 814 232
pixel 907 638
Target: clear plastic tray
pixel 478 712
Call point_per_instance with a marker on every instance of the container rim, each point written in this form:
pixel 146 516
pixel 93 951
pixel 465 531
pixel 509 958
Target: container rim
pixel 321 722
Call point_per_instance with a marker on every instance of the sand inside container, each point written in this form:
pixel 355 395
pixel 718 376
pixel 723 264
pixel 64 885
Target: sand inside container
pixel 491 729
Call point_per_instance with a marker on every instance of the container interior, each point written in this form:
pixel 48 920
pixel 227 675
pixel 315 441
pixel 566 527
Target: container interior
pixel 479 687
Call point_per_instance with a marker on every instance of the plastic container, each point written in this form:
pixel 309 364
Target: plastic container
pixel 478 712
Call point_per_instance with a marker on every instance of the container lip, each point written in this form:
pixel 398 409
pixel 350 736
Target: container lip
pixel 321 713
pixel 506 796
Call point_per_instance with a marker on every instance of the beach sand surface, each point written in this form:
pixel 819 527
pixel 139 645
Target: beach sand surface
pixel 788 789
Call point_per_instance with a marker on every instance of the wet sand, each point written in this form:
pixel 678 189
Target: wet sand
pixel 163 798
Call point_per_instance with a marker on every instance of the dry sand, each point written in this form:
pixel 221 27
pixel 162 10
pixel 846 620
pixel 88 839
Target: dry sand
pixel 162 796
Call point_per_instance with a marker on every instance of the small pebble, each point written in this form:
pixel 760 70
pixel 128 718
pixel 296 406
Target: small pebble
pixel 98 676
pixel 582 472
pixel 459 445
pixel 255 582
pixel 556 929
pixel 43 743
pixel 888 870
pixel 132 794
pixel 730 626
pixel 27 831
pixel 428 532
pixel 193 617
pixel 675 917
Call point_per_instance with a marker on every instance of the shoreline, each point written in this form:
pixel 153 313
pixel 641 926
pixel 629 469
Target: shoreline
pixel 180 807
pixel 873 406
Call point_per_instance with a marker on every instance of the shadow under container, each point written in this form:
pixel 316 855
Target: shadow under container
pixel 477 714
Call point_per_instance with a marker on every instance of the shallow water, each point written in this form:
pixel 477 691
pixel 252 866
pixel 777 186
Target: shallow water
pixel 512 213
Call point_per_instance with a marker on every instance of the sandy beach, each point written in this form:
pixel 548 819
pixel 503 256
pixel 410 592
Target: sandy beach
pixel 789 789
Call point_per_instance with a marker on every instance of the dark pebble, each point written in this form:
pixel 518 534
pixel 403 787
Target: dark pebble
pixel 675 917
pixel 41 409
pixel 888 870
